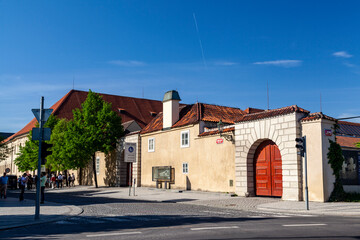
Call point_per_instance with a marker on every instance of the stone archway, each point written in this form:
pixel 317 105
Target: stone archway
pixel 282 130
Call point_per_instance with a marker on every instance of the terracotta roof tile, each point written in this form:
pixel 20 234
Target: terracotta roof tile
pixel 347 141
pixel 191 114
pixel 213 132
pixel 316 116
pixel 134 108
pixel 271 113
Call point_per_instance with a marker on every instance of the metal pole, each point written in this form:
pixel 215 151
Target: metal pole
pixel 306 183
pixel 130 179
pixel 37 203
pixel 134 185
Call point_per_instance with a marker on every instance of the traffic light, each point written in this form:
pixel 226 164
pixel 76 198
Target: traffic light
pixel 45 151
pixel 301 145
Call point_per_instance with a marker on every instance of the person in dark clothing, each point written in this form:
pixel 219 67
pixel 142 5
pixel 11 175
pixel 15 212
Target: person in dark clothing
pixel 29 182
pixel 23 181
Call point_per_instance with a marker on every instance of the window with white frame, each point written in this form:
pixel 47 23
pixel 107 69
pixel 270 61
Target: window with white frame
pixel 185 139
pixel 151 145
pixel 97 165
pixel 185 168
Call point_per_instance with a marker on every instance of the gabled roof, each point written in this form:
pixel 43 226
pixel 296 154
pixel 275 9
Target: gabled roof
pixel 194 113
pixel 136 109
pixel 271 113
pixel 316 116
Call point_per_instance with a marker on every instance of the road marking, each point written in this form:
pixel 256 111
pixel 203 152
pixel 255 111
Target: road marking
pixel 305 225
pixel 212 228
pixel 112 234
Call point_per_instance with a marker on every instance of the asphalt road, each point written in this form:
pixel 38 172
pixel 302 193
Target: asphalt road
pixel 107 218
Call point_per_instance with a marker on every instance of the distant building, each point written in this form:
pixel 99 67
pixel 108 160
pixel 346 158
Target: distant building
pixel 136 113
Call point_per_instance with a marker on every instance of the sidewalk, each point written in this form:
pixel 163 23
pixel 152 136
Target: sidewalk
pixel 14 213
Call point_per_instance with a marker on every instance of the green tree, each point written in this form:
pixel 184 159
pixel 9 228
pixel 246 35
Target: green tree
pixel 29 154
pixel 336 160
pixel 95 127
pixel 67 151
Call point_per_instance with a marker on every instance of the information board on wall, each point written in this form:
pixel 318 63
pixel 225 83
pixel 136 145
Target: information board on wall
pixel 130 152
pixel 161 173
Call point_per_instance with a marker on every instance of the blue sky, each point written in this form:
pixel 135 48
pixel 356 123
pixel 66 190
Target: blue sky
pixel 220 52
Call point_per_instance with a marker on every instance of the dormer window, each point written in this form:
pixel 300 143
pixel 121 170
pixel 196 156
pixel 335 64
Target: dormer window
pixel 121 110
pixel 153 114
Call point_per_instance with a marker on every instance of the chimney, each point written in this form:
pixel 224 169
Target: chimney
pixel 170 108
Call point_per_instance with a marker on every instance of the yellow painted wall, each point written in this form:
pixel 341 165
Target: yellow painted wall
pixel 211 165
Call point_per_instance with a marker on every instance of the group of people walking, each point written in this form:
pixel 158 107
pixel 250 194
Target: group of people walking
pixel 57 181
pixel 26 181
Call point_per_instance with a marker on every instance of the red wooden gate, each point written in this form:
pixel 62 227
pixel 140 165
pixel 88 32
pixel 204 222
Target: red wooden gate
pixel 268 170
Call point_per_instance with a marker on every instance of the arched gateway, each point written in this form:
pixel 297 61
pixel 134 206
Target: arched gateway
pixel 268 170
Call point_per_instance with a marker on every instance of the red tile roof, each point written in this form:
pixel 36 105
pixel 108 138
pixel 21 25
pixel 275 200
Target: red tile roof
pixel 133 108
pixel 213 132
pixel 191 114
pixel 316 116
pixel 347 141
pixel 271 113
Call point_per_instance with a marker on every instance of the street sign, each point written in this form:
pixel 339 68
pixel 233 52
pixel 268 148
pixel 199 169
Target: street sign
pixel 36 134
pixel 328 132
pixel 7 170
pixel 46 115
pixel 219 141
pixel 130 152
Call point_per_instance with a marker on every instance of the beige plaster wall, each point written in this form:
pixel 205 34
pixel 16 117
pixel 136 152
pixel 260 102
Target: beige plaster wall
pixel 320 177
pixel 211 165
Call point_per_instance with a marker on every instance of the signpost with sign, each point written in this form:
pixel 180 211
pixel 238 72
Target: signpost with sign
pixel 40 134
pixel 130 157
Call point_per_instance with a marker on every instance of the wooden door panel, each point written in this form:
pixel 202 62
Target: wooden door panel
pixel 268 170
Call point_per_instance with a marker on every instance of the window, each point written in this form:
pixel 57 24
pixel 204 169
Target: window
pixel 184 139
pixel 185 168
pixel 151 145
pixel 97 165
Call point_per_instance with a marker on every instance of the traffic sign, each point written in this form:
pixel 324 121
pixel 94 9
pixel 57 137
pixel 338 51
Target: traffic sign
pixel 130 152
pixel 36 134
pixel 46 115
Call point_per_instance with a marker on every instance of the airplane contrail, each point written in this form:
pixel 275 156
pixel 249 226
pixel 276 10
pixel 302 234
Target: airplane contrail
pixel 201 47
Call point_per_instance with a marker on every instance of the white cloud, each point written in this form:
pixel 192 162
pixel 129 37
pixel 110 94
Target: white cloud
pixel 281 63
pixel 342 54
pixel 127 63
pixel 225 63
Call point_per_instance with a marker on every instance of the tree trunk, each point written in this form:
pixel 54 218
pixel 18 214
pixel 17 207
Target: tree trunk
pixel 94 166
pixel 80 177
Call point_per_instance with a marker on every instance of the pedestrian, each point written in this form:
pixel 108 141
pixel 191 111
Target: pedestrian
pixel 23 181
pixel 60 180
pixel 3 185
pixel 29 182
pixel 69 180
pixel 73 179
pixel 53 180
pixel 42 187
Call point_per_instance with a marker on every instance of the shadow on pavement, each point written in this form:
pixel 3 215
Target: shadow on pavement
pixel 91 225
